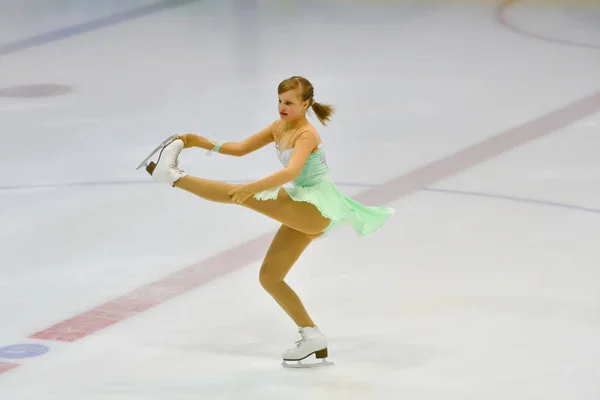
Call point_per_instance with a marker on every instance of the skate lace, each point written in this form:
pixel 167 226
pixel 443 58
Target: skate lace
pixel 175 159
pixel 302 340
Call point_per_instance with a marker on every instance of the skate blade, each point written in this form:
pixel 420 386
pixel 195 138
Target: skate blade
pixel 156 150
pixel 300 364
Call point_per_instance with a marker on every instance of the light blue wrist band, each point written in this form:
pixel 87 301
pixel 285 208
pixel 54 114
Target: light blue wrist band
pixel 216 148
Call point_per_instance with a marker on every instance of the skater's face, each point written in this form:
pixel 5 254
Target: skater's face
pixel 291 107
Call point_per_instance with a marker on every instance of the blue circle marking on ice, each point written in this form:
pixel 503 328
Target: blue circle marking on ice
pixel 23 351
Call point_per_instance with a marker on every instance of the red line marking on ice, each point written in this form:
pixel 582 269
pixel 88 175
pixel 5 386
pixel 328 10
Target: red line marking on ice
pixel 4 367
pixel 240 256
pixel 156 292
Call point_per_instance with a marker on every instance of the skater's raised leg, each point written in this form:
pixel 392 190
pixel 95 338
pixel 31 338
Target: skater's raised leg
pixel 300 216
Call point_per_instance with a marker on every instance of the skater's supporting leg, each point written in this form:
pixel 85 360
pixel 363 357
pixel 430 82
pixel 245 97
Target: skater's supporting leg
pixel 300 216
pixel 287 246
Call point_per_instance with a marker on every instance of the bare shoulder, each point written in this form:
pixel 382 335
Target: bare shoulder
pixel 307 135
pixel 276 125
pixel 308 138
pixel 310 132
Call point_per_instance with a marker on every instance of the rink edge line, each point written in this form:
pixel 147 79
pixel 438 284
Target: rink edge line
pixel 502 19
pixel 232 259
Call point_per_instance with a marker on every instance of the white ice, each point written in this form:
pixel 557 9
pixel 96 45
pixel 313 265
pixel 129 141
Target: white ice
pixel 484 285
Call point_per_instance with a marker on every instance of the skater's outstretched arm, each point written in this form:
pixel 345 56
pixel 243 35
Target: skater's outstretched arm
pixel 237 149
pixel 303 147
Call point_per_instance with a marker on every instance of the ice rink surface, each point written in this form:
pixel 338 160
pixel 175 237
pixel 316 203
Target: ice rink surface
pixel 478 121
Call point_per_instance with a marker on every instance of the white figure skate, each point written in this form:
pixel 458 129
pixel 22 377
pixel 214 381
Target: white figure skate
pixel 312 342
pixel 166 169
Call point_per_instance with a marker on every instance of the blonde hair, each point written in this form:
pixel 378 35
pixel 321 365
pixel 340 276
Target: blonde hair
pixel 307 92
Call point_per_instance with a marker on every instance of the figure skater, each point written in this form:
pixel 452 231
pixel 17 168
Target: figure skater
pixel 311 208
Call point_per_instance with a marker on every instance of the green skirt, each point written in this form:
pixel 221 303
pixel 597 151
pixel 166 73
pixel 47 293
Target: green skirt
pixel 340 209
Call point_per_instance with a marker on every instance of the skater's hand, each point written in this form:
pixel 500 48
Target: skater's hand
pixel 189 140
pixel 240 194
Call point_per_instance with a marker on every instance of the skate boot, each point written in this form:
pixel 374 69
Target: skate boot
pixel 312 342
pixel 157 149
pixel 166 169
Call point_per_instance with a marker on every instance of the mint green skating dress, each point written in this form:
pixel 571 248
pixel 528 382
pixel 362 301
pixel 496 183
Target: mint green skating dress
pixel 314 185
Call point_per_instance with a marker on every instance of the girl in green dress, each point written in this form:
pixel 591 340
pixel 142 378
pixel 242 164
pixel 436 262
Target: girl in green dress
pixel 311 208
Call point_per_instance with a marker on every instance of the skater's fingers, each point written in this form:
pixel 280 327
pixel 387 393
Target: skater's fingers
pixel 184 139
pixel 189 140
pixel 239 197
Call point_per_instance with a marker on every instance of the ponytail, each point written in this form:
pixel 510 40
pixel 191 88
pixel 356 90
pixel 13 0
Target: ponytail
pixel 322 111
